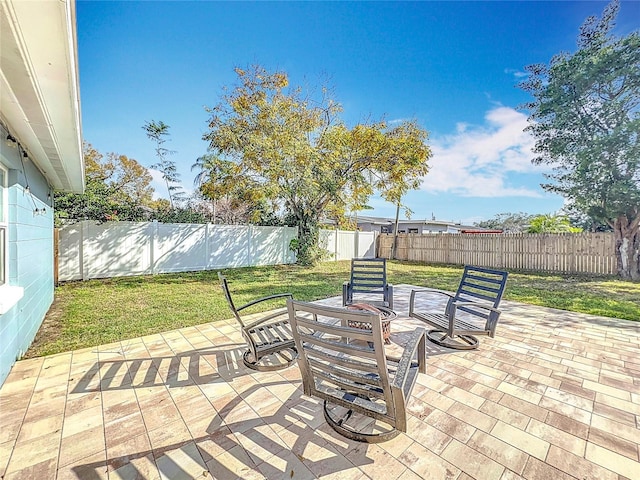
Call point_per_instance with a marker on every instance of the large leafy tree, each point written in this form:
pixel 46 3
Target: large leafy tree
pixel 300 153
pixel 235 198
pixel 508 222
pixel 552 224
pixel 586 121
pixel 117 188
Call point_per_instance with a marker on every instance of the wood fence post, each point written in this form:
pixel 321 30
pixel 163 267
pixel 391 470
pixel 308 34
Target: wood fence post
pixel 573 264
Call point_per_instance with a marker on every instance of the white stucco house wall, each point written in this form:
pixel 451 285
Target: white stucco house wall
pixel 40 151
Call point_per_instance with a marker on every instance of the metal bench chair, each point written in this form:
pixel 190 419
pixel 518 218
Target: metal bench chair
pixel 268 338
pixel 348 369
pixel 473 310
pixel 368 276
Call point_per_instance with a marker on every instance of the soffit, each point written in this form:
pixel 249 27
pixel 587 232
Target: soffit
pixel 39 93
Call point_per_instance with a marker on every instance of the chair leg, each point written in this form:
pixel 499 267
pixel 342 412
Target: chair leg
pixel 279 360
pixel 340 426
pixel 346 298
pixel 458 342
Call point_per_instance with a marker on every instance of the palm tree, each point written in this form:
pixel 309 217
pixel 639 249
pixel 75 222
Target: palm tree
pixel 211 178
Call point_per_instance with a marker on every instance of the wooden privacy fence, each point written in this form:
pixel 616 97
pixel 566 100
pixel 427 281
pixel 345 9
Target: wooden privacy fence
pixel 592 253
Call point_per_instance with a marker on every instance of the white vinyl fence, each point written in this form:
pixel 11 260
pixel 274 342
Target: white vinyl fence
pixel 115 249
pixel 88 250
pixel 345 245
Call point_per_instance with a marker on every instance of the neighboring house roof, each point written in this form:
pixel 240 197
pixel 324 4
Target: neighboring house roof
pixel 374 220
pixel 39 89
pixel 390 221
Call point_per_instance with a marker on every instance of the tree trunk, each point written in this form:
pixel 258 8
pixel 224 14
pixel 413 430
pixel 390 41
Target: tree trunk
pixel 307 252
pixel 627 235
pixel 394 246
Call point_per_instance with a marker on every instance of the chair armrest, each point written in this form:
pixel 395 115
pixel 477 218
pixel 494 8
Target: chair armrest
pixel 425 290
pixel 268 319
pixel 416 342
pixel 492 319
pixel 431 290
pixel 264 299
pixel 475 305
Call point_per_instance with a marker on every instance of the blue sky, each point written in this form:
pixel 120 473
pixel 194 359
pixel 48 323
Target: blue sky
pixel 453 66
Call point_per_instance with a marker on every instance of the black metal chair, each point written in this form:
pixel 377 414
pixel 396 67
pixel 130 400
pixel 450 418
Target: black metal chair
pixel 348 369
pixel 368 276
pixel 270 342
pixel 473 310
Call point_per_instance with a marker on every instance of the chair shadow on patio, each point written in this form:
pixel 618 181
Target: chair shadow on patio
pixel 293 441
pixel 183 413
pixel 262 427
pixel 119 374
pixel 107 375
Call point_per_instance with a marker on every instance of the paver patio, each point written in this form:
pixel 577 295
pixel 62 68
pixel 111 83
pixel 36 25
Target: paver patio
pixel 556 395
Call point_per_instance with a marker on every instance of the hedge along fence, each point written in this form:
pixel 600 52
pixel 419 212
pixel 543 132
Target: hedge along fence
pixel 588 253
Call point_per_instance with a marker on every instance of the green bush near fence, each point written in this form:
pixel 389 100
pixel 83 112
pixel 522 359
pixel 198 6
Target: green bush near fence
pixel 97 312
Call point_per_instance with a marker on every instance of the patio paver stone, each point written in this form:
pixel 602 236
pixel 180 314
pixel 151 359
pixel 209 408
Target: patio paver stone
pixel 556 395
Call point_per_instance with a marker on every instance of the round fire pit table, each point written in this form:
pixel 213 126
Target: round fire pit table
pixel 386 314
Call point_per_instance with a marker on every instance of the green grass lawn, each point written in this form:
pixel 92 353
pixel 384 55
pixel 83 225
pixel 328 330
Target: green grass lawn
pixel 102 311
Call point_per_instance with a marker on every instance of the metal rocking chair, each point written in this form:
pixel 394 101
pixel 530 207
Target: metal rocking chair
pixel 368 276
pixel 269 337
pixel 348 368
pixel 473 310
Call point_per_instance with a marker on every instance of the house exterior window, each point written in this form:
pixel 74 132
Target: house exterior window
pixel 3 225
pixel 384 229
pixel 413 230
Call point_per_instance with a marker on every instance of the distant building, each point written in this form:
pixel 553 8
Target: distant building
pixel 386 225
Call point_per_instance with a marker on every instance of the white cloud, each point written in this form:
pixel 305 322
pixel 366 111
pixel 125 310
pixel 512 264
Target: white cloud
pixel 516 73
pixel 397 121
pixel 476 160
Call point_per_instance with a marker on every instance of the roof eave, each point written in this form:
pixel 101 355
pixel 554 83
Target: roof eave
pixel 39 87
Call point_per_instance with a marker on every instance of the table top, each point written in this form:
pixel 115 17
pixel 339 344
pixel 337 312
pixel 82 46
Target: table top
pixel 386 313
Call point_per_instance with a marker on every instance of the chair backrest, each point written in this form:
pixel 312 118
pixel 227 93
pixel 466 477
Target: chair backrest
pixel 368 275
pixel 227 294
pixel 346 366
pixel 481 285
